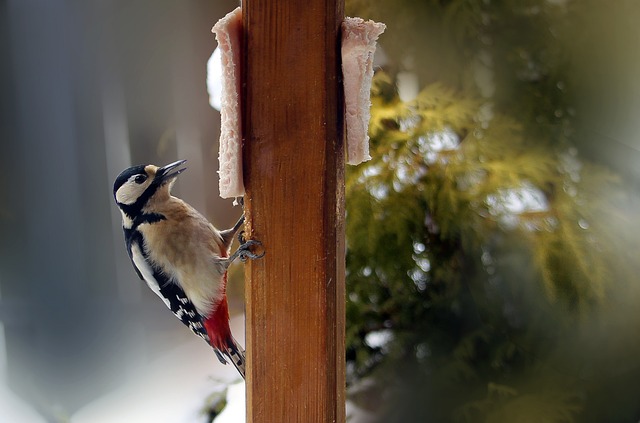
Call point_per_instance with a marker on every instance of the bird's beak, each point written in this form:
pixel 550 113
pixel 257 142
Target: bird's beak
pixel 170 171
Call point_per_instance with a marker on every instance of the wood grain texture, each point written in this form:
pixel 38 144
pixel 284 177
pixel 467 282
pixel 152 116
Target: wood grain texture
pixel 294 177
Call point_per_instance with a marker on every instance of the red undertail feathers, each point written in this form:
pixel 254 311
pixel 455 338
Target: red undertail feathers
pixel 217 326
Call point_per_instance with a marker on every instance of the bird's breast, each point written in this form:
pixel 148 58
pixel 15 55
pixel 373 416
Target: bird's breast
pixel 187 253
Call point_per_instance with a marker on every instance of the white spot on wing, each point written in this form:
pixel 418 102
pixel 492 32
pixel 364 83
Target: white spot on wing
pixel 127 223
pixel 147 272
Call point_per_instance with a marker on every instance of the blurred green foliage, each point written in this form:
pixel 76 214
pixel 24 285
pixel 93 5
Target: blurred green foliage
pixel 492 262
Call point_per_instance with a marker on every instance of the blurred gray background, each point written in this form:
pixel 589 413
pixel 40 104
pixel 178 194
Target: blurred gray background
pixel 87 88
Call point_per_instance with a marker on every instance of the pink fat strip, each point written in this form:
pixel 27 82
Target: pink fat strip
pixel 358 47
pixel 228 32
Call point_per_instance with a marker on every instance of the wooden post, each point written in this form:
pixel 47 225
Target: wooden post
pixel 294 178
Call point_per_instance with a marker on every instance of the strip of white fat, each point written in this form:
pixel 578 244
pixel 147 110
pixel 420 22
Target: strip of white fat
pixel 228 32
pixel 358 47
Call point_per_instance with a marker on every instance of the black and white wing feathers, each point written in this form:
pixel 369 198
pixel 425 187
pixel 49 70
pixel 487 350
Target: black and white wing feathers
pixel 170 293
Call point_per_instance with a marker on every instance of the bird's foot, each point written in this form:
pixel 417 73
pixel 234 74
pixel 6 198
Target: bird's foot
pixel 244 251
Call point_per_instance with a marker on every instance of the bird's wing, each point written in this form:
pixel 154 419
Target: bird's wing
pixel 169 292
pixel 131 236
pixel 182 307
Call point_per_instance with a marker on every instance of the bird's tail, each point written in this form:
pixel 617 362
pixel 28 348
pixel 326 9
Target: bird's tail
pixel 235 353
pixel 223 343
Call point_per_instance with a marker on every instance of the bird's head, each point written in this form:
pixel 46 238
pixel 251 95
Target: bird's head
pixel 138 186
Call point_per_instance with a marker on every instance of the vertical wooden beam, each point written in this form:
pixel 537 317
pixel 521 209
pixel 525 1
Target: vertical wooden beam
pixel 294 178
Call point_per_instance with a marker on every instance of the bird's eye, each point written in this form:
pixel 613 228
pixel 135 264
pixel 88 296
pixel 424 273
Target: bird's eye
pixel 140 179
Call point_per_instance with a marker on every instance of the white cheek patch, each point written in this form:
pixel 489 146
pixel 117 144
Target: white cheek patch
pixel 147 272
pixel 129 192
pixel 126 194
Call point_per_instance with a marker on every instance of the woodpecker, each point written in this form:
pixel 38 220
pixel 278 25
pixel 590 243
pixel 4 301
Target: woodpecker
pixel 180 255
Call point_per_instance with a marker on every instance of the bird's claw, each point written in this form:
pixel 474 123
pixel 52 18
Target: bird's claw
pixel 244 251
